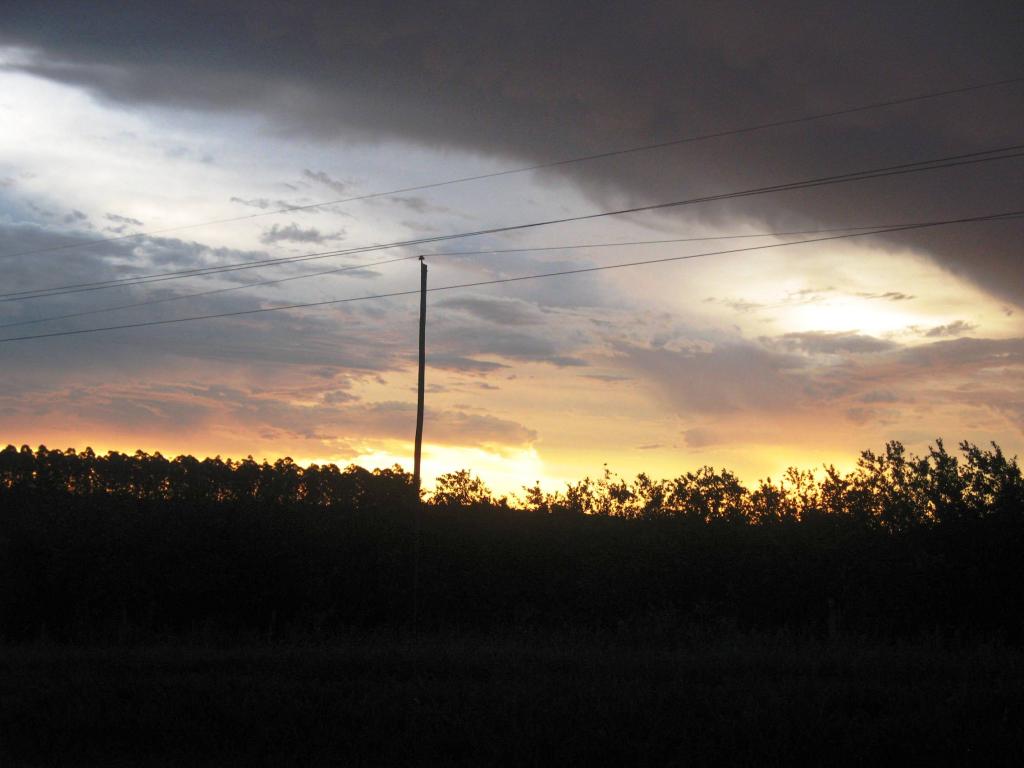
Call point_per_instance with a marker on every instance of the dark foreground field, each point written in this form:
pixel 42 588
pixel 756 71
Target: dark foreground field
pixel 184 612
pixel 523 700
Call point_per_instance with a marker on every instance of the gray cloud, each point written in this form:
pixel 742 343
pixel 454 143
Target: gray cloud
pixel 742 306
pixel 262 203
pixel 44 212
pixel 417 204
pixel 888 296
pixel 956 328
pixel 758 378
pixel 419 227
pixel 338 397
pixel 537 81
pixel 259 339
pixel 492 309
pixel 832 343
pixel 117 219
pixel 513 345
pixel 321 177
pixel 392 420
pixel 507 332
pixel 965 353
pixel 727 378
pixel 181 408
pixel 461 364
pixel 256 202
pixel 293 233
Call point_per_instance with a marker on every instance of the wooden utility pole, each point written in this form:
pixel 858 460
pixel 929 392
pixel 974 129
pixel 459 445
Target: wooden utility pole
pixel 423 366
pixel 418 511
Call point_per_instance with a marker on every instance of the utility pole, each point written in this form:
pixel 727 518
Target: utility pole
pixel 418 512
pixel 423 366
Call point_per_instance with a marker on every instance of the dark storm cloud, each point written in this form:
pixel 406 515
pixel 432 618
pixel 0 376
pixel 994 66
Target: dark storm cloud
pixel 536 81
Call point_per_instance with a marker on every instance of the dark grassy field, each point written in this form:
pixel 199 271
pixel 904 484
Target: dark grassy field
pixel 526 699
pixel 686 622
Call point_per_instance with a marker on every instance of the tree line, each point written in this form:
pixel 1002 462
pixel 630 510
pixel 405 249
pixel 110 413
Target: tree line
pixel 135 547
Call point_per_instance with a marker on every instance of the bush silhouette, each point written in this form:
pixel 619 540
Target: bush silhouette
pixel 120 547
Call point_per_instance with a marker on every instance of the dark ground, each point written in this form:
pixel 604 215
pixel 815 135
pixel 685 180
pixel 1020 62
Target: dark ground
pixel 525 699
pixel 159 612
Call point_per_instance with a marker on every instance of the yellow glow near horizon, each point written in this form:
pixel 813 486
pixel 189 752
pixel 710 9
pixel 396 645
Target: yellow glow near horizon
pixel 505 472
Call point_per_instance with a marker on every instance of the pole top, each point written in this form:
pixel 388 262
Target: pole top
pixel 422 257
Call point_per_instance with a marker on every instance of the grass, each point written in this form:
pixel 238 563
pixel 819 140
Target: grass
pixel 523 699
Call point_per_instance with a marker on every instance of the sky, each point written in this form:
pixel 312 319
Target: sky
pixel 129 136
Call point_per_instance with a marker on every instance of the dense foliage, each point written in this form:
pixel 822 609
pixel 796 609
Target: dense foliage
pixel 135 547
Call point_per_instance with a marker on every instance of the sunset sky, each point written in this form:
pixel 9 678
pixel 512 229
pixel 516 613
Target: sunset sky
pixel 121 119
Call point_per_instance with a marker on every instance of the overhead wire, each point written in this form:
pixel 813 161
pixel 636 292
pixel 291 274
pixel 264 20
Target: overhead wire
pixel 541 166
pixel 355 267
pixel 498 281
pixel 180 274
pixel 702 238
pixel 949 161
pixel 183 296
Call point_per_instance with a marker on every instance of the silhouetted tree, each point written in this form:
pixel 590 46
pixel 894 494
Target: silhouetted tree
pixel 98 547
pixel 461 489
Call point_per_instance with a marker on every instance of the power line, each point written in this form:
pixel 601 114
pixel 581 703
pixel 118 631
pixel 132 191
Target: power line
pixel 541 166
pixel 177 274
pixel 180 297
pixel 497 281
pixel 950 161
pixel 867 229
pixel 578 246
